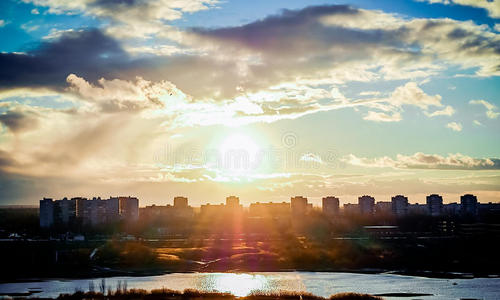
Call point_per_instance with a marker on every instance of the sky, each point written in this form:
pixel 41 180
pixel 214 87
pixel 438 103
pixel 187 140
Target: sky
pixel 260 99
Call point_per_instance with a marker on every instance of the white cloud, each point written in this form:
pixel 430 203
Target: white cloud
pixel 477 123
pixel 421 160
pixel 117 95
pixel 382 117
pixel 370 93
pixel 35 11
pixel 138 19
pixel 2 23
pixel 412 94
pixel 490 108
pixel 29 28
pixel 447 111
pixel 454 126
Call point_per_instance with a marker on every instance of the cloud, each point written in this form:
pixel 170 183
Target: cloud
pixel 35 11
pixel 327 44
pixel 490 108
pixel 370 93
pixel 118 95
pixel 17 121
pixel 412 94
pixel 88 53
pixel 491 6
pixel 129 18
pixel 477 123
pixel 2 23
pixel 454 126
pixel 447 111
pixel 408 94
pixel 29 28
pixel 382 117
pixel 420 160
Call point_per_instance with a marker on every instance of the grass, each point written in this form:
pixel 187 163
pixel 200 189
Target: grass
pixel 167 294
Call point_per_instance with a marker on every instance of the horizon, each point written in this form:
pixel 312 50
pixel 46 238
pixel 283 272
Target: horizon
pixel 247 203
pixel 207 98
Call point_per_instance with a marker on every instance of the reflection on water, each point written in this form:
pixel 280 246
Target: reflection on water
pixel 242 284
pixel 236 284
pixel 321 284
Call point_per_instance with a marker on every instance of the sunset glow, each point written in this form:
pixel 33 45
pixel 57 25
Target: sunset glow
pixel 201 98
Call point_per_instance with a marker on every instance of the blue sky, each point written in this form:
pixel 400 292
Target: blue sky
pixel 378 97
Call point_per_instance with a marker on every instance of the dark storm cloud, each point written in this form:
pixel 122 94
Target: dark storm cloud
pixel 89 53
pixel 301 29
pixel 17 121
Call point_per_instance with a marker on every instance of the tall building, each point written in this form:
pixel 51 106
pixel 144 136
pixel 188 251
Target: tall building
pixel 434 205
pixel 366 204
pixel 112 209
pixel 383 207
pixel 94 211
pixel 80 206
pixel 468 204
pixel 232 201
pixel 330 205
pixel 417 209
pixel 180 202
pixel 90 212
pixel 181 209
pixel 46 212
pixel 298 205
pixel 399 205
pixel 451 209
pixel 129 208
pixel 64 211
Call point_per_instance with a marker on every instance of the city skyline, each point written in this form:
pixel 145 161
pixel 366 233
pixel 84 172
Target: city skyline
pixel 183 201
pixel 205 98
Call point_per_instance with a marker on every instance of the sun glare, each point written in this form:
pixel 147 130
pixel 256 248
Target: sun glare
pixel 239 285
pixel 239 153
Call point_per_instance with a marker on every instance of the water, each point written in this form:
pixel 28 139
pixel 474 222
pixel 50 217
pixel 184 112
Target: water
pixel 322 284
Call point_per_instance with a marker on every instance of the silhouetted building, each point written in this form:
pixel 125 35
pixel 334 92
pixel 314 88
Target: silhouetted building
pixel 351 209
pixel 94 211
pixel 80 206
pixel 64 211
pixel 209 209
pixel 232 201
pixel 399 205
pixel 90 212
pixel 383 207
pixel 46 212
pixel 269 209
pixel 180 202
pixel 469 205
pixel 417 209
pixel 112 209
pixel 298 205
pixel 180 210
pixel 129 208
pixel 330 205
pixel 366 204
pixel 451 209
pixel 435 205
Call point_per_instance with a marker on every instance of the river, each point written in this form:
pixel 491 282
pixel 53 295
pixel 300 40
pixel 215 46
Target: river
pixel 241 284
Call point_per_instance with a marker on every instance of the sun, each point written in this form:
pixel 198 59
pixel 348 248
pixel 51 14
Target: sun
pixel 239 153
